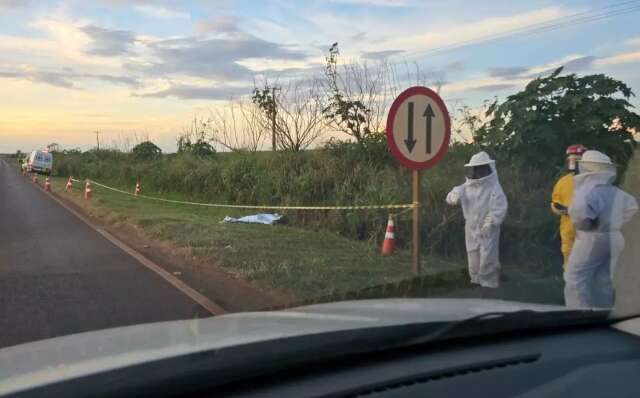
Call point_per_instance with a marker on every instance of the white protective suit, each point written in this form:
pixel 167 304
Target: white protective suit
pixel 598 212
pixel 484 206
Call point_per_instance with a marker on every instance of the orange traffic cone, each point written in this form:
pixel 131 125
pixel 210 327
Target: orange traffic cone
pixel 47 184
pixel 389 244
pixel 69 185
pixel 87 191
pixel 137 190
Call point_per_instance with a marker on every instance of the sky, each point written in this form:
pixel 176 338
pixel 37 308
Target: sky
pixel 146 68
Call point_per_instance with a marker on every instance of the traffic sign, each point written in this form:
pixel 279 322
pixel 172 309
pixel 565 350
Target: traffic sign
pixel 418 128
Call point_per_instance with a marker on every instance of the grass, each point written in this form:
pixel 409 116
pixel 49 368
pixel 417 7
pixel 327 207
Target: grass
pixel 306 263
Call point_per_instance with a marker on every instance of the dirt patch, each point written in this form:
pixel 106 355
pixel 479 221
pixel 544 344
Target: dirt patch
pixel 229 291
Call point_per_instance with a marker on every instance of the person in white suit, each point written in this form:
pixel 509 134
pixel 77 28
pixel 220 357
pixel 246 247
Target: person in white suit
pixel 484 206
pixel 598 211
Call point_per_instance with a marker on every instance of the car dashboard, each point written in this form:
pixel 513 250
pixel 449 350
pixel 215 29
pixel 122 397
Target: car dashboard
pixel 593 362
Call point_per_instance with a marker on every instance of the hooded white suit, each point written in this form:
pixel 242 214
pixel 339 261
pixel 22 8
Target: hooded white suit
pixel 484 206
pixel 598 211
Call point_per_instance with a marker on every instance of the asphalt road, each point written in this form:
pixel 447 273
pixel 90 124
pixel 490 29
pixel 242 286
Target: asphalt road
pixel 58 276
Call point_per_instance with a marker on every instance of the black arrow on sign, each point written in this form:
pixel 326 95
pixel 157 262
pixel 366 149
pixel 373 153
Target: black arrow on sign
pixel 410 142
pixel 428 113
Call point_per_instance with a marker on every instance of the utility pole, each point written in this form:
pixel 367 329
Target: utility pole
pixel 98 139
pixel 274 111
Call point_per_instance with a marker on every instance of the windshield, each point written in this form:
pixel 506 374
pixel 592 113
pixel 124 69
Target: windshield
pixel 216 158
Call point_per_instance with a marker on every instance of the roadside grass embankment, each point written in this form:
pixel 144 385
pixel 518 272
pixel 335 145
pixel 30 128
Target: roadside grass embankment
pixel 330 254
pixel 344 174
pixel 306 263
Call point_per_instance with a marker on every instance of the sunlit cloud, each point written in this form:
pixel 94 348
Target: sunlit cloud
pixel 457 34
pixel 385 3
pixel 107 42
pixel 148 65
pixel 619 59
pixel 13 3
pixel 160 12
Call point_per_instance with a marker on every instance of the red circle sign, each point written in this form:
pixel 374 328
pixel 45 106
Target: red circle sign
pixel 418 128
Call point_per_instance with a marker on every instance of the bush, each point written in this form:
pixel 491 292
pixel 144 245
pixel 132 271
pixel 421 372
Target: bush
pixel 146 151
pixel 341 174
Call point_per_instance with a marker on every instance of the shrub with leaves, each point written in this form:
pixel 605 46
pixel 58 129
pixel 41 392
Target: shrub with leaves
pixel 535 126
pixel 146 151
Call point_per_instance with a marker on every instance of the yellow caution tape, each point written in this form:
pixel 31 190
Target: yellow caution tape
pixel 263 207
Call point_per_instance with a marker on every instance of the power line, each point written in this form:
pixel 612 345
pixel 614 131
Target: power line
pixel 545 26
pixel 551 24
pixel 532 29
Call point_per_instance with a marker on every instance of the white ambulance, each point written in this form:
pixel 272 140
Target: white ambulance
pixel 39 162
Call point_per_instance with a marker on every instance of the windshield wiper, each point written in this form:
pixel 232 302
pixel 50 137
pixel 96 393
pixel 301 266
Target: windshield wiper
pixel 491 323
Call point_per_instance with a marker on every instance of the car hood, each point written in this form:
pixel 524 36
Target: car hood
pixel 48 361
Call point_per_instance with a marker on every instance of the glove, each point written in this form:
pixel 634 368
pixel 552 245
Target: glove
pixel 559 209
pixel 485 229
pixel 453 197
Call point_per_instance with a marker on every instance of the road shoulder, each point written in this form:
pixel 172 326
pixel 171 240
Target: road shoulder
pixel 228 292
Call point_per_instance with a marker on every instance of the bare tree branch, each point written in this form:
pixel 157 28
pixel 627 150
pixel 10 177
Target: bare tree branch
pixel 300 121
pixel 237 126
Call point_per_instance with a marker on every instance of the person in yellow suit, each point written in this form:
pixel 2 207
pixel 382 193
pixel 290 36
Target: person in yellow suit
pixel 561 200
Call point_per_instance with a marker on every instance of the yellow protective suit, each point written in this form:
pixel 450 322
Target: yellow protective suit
pixel 563 194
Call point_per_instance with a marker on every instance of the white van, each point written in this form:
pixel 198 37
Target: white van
pixel 39 162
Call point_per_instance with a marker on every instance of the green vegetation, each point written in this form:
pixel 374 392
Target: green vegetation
pixel 146 151
pixel 323 252
pixel 340 174
pixel 309 264
pixel 534 126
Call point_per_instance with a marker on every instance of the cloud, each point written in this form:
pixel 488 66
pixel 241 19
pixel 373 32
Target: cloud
pixel 379 55
pixel 493 87
pixel 185 91
pixel 96 115
pixel 124 80
pixel 454 66
pixel 514 77
pixel 54 79
pixel 453 36
pixel 576 65
pixel 213 58
pixel 635 41
pixel 226 25
pixel 579 64
pixel 107 42
pixel 506 71
pixel 619 59
pixel 160 12
pixel 358 36
pixel 65 78
pixel 383 3
pixel 571 64
pixel 13 3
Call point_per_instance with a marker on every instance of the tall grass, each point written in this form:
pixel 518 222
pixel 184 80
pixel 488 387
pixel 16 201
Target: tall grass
pixel 341 174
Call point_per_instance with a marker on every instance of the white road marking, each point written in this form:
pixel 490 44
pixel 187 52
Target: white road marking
pixel 194 295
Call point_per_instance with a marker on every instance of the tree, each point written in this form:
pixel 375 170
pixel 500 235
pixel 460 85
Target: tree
pixel 299 121
pixel 239 126
pixel 536 125
pixel 146 151
pixel 265 100
pixel 346 110
pixel 358 94
pixel 53 147
pixel 194 139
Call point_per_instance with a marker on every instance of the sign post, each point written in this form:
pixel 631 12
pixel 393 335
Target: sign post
pixel 415 243
pixel 418 134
